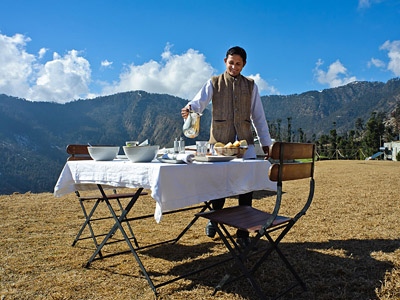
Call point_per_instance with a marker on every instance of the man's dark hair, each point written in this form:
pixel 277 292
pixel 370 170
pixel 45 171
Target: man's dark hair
pixel 238 51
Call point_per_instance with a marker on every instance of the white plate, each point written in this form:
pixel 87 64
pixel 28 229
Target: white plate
pixel 170 161
pixel 122 157
pixel 214 158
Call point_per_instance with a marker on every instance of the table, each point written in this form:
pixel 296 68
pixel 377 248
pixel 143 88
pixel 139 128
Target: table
pixel 173 187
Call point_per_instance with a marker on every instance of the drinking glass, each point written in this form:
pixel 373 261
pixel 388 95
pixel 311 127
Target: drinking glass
pixel 201 148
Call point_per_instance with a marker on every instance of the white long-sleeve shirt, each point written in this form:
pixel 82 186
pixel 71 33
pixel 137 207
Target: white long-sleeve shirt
pixel 204 97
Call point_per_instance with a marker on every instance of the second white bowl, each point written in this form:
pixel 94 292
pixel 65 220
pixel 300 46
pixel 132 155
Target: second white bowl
pixel 141 153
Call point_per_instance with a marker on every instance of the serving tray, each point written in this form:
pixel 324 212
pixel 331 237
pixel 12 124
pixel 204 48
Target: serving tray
pixel 213 158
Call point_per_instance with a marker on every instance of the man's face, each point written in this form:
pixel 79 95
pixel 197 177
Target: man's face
pixel 234 64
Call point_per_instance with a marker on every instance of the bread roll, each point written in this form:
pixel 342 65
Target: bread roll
pixel 236 144
pixel 229 145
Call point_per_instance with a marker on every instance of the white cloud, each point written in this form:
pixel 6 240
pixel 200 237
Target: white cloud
pixel 263 86
pixel 376 63
pixel 336 75
pixel 367 3
pixel 16 65
pixel 363 4
pixel 42 52
pixel 62 79
pixel 394 56
pixel 178 75
pixel 106 63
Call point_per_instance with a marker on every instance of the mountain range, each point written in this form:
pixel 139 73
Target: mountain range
pixel 34 135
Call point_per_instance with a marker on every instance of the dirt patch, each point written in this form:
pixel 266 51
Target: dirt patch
pixel 346 247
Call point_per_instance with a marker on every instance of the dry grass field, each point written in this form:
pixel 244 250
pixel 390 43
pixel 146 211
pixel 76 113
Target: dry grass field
pixel 346 247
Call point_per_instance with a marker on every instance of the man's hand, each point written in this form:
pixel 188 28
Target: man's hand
pixel 266 151
pixel 185 112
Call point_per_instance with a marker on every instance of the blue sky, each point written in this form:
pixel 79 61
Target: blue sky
pixel 65 50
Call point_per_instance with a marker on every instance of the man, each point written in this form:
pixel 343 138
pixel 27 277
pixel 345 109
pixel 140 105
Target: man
pixel 236 107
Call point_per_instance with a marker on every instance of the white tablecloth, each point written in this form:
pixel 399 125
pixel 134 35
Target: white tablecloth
pixel 172 186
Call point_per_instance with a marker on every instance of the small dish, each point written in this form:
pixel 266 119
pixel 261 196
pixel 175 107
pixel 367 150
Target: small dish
pixel 213 158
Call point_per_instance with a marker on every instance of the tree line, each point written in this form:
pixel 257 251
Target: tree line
pixel 365 139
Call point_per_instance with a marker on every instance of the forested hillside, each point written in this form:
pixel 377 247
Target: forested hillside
pixel 33 135
pixel 315 112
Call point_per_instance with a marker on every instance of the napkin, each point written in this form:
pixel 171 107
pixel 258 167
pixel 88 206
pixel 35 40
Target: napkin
pixel 144 143
pixel 186 157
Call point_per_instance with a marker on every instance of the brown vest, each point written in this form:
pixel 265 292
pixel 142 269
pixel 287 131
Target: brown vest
pixel 231 109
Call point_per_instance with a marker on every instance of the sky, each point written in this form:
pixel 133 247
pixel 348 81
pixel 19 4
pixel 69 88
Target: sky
pixel 60 51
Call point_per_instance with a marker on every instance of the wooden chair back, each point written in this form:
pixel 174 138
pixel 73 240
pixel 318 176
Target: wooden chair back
pixel 78 152
pixel 291 161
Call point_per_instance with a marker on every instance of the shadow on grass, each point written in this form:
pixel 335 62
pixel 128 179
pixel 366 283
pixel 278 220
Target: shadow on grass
pixel 337 269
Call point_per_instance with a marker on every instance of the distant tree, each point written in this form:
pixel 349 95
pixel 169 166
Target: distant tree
pixel 272 130
pixel 302 135
pixel 333 140
pixel 313 137
pixel 374 132
pixel 322 145
pixel 278 133
pixel 396 122
pixel 359 126
pixel 390 133
pixel 289 129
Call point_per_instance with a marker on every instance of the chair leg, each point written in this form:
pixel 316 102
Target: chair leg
pixel 119 226
pixel 290 267
pixel 274 246
pixel 128 225
pixel 240 257
pixel 190 224
pixel 88 219
pixel 87 223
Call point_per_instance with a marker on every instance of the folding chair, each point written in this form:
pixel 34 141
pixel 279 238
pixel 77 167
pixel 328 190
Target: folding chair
pixel 80 152
pixel 285 166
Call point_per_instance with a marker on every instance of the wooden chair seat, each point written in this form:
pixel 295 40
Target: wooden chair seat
pixel 245 218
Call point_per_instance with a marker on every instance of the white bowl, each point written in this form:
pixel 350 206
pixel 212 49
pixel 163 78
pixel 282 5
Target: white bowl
pixel 141 153
pixel 103 152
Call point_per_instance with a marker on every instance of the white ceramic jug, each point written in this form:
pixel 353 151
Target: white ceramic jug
pixel 191 127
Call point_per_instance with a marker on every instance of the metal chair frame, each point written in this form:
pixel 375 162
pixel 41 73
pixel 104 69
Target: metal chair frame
pixel 285 166
pixel 80 152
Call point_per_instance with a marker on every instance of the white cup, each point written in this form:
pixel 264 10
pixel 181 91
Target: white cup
pixel 201 148
pixel 132 143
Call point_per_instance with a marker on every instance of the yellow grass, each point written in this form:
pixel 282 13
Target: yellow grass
pixel 346 247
